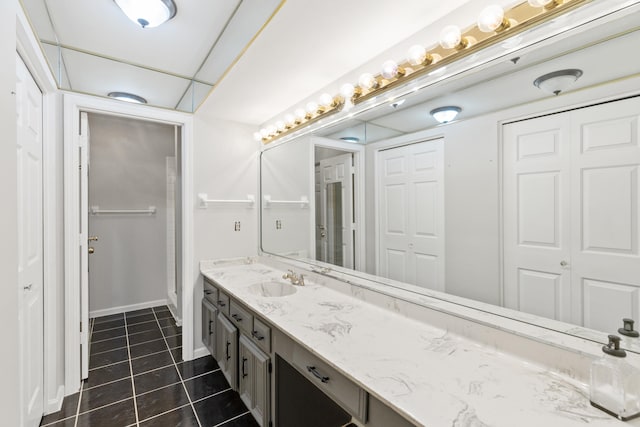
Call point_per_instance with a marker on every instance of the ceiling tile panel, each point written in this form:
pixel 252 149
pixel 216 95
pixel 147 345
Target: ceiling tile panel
pixel 178 46
pixel 250 17
pixel 95 75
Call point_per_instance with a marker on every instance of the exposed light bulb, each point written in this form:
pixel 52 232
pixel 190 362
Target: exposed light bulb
pixel 367 81
pixel 416 55
pixel 289 119
pixel 491 19
pixel 450 37
pixel 264 133
pixel 347 90
pixel 391 70
pixel 312 108
pixel 326 100
pixel 300 114
pixel 257 136
pixel 539 3
pixel 273 131
pixel 280 126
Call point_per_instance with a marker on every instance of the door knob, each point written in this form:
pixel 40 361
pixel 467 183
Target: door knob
pixel 93 238
pixel 91 250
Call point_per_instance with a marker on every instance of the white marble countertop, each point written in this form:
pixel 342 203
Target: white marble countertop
pixel 430 376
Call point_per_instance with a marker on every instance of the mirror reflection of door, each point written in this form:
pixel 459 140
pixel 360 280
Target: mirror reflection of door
pixel 335 212
pixel 411 214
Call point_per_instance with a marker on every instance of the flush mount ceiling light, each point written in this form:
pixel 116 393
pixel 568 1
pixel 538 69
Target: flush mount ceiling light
pixel 445 114
pixel 353 139
pixel 557 81
pixel 128 97
pixel 148 13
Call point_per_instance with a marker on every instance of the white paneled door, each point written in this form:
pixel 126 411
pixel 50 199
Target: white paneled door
pixel 606 201
pixel 571 242
pixel 30 245
pixel 537 214
pixel 411 214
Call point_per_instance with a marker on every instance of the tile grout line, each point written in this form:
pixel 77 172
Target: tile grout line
pixel 133 384
pixel 231 419
pixel 217 393
pixel 184 386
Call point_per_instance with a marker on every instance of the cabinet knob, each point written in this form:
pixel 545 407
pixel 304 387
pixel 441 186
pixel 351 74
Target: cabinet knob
pixel 563 263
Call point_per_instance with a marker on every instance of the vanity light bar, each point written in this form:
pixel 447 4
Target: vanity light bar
pixel 494 25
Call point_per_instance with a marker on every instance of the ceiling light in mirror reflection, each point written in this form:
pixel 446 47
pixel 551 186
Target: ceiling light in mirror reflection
pixel 493 25
pixel 445 114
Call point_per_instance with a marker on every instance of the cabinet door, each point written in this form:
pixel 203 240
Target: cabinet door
pixel 254 384
pixel 246 374
pixel 227 350
pixel 209 313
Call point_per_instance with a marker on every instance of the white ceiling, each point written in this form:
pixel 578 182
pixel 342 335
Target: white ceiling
pixel 104 51
pixel 306 48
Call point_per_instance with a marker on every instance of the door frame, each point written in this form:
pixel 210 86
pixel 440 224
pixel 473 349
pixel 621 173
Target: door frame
pixel 29 50
pixel 358 151
pixel 73 105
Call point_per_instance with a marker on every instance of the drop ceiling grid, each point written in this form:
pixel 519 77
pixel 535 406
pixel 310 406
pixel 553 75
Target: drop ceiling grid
pixel 178 47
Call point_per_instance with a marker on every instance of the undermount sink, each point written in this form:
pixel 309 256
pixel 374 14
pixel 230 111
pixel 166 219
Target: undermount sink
pixel 272 289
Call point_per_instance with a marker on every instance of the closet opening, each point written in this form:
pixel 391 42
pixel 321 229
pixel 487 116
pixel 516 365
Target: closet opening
pixel 133 215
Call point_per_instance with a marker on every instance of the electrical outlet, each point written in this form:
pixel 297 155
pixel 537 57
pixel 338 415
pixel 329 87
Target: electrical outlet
pixel 278 224
pixel 236 226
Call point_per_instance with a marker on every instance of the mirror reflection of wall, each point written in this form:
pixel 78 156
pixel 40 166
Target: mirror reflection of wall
pixel 473 230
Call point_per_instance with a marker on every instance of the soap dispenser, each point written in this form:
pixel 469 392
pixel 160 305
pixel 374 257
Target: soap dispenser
pixel 615 384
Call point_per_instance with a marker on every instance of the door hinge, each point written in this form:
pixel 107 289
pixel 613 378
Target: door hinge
pixel 270 369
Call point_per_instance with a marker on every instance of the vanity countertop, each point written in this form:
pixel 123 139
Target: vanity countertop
pixel 428 375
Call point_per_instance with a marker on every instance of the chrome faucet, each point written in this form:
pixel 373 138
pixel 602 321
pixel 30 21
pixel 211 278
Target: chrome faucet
pixel 294 278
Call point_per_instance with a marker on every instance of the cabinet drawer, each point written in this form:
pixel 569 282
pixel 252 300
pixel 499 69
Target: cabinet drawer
pixel 223 302
pixel 261 335
pixel 210 292
pixel 241 317
pixel 351 397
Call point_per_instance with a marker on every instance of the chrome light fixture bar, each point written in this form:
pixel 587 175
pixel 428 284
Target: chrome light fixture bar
pixel 494 26
pixel 127 97
pixel 148 13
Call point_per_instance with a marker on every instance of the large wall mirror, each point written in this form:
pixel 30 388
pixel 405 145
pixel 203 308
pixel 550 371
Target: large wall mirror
pixel 526 205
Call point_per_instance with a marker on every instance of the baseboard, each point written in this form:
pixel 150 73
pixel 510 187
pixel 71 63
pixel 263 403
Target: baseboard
pixel 174 313
pixel 200 352
pixel 124 308
pixel 55 404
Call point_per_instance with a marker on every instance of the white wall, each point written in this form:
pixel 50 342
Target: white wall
pixel 225 164
pixel 9 398
pixel 128 171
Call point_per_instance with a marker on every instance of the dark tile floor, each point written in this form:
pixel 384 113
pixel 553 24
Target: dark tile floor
pixel 137 378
